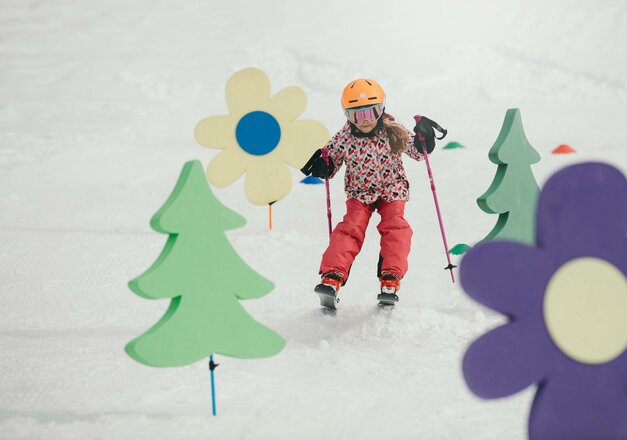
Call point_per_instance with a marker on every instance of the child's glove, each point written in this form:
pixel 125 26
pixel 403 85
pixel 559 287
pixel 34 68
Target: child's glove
pixel 424 129
pixel 317 166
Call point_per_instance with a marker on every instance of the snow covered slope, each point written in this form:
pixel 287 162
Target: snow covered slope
pixel 98 101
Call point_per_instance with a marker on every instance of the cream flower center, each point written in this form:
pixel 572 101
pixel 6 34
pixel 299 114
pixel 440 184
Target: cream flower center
pixel 585 310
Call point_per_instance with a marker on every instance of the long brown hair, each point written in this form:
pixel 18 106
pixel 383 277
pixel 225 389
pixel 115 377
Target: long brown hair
pixel 397 134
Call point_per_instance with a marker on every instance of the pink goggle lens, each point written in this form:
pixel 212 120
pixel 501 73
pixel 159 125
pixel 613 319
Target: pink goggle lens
pixel 360 115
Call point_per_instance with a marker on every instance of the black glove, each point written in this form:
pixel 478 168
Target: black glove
pixel 317 167
pixel 424 128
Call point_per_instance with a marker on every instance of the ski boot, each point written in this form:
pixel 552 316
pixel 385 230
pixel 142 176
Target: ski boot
pixel 390 284
pixel 328 289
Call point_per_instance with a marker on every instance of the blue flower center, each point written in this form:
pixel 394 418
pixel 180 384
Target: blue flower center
pixel 258 133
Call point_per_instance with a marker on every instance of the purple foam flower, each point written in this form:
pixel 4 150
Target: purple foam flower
pixel 566 300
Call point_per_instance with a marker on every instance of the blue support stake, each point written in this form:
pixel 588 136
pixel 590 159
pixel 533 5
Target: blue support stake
pixel 212 366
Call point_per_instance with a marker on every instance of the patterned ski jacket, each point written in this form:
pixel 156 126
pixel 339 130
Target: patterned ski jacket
pixel 372 170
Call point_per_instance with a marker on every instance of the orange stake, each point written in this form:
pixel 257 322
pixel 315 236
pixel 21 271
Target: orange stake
pixel 270 215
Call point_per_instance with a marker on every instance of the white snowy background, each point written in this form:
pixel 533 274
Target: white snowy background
pixel 98 102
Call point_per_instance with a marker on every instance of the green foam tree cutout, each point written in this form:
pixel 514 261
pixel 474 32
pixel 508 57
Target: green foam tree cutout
pixel 514 190
pixel 205 279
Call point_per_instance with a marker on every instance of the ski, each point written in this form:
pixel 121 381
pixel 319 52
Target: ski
pixel 387 299
pixel 328 297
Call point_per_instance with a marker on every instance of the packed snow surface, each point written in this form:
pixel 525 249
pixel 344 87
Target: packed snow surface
pixel 98 102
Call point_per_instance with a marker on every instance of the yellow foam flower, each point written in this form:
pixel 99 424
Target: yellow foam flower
pixel 260 137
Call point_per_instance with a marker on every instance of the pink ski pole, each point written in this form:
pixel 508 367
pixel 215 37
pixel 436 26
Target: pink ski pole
pixel 450 266
pixel 325 157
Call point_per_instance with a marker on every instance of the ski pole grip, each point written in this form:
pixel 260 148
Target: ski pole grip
pixel 325 157
pixel 433 124
pixel 421 137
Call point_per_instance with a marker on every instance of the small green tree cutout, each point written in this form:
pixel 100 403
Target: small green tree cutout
pixel 205 279
pixel 514 191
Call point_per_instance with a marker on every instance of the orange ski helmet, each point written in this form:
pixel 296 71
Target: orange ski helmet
pixel 362 92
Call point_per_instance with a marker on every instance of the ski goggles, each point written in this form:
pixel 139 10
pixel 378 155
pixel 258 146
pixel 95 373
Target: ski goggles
pixel 368 113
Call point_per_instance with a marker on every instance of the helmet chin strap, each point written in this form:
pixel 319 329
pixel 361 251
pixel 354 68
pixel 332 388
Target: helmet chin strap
pixel 358 133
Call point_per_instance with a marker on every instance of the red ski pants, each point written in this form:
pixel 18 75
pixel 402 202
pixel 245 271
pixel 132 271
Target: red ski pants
pixel 348 237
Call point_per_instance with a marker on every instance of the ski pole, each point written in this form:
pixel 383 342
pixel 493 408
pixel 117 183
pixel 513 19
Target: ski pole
pixel 450 266
pixel 325 157
pixel 212 366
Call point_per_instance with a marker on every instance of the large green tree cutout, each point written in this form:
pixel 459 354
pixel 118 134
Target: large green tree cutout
pixel 205 279
pixel 514 191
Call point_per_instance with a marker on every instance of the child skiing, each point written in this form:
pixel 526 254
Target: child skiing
pixel 370 144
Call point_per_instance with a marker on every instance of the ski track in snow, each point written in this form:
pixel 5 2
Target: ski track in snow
pixel 98 102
